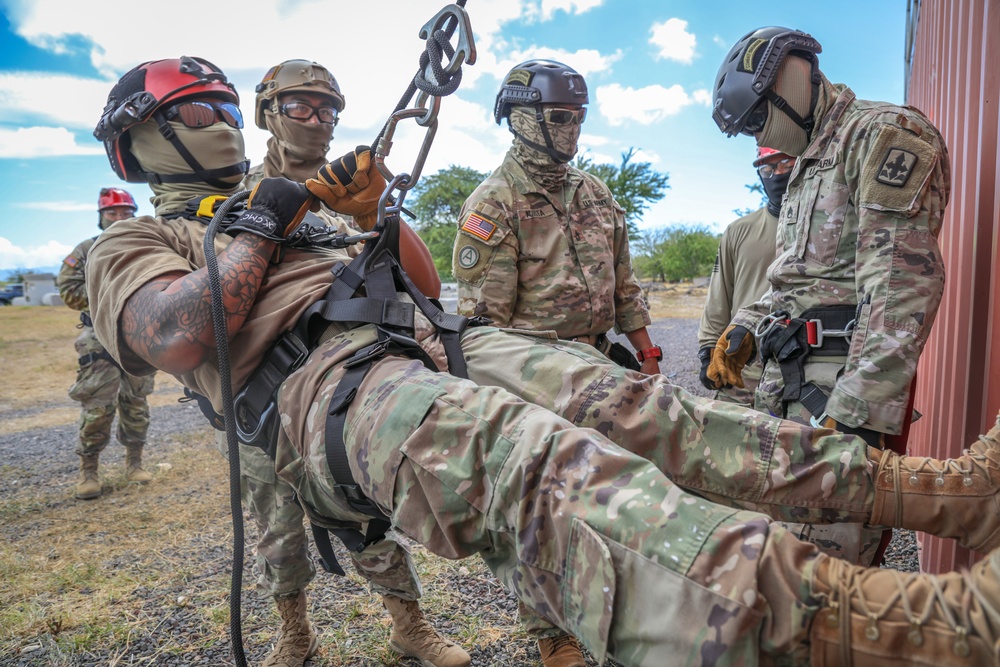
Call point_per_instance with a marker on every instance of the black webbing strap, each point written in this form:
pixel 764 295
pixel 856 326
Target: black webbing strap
pixel 91 357
pixel 217 421
pixel 85 319
pixel 352 538
pixel 787 343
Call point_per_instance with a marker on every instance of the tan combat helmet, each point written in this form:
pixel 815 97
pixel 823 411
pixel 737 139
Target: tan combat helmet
pixel 295 75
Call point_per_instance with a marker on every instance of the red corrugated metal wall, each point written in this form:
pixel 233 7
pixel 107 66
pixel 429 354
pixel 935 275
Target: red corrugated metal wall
pixel 954 78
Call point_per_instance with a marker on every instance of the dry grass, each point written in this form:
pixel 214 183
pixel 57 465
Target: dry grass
pixel 675 300
pixel 105 577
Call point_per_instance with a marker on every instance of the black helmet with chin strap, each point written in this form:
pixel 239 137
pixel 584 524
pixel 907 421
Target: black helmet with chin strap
pixel 537 82
pixel 145 93
pixel 745 82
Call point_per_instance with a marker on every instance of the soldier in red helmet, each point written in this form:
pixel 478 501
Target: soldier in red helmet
pixel 101 386
pixel 739 278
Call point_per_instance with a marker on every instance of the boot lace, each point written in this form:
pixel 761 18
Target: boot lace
pixel 848 594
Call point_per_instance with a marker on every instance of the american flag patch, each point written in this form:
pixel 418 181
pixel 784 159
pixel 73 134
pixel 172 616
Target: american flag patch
pixel 479 226
pixel 70 261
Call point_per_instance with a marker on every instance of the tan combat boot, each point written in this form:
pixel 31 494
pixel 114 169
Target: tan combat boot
pixel 89 485
pixel 297 642
pixel 884 618
pixel 414 637
pixel 957 498
pixel 561 651
pixel 133 465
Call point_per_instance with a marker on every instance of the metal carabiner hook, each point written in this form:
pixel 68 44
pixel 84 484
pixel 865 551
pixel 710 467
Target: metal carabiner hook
pixel 426 116
pixel 465 52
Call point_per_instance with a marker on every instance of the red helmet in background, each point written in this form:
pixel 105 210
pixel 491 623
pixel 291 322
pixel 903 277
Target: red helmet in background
pixel 763 153
pixel 111 197
pixel 141 94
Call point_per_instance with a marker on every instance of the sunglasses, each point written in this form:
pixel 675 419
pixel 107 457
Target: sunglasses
pixel 204 114
pixel 302 111
pixel 782 166
pixel 565 116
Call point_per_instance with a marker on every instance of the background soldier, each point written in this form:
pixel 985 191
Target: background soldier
pixel 101 386
pixel 859 275
pixel 740 275
pixel 542 245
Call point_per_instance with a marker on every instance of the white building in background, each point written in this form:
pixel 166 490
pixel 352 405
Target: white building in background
pixel 39 290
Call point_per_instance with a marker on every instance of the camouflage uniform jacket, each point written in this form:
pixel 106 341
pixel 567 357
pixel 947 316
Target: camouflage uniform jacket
pixel 859 225
pixel 72 280
pixel 528 259
pixel 739 277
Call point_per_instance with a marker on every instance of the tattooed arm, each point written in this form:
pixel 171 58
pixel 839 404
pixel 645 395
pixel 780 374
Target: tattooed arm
pixel 168 321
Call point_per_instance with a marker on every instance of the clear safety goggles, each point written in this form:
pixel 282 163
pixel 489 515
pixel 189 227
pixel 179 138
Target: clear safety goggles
pixel 303 111
pixel 782 166
pixel 565 116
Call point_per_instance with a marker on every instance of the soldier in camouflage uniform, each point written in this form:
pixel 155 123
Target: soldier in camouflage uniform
pixel 102 387
pixel 600 540
pixel 283 565
pixel 541 244
pixel 859 276
pixel 739 277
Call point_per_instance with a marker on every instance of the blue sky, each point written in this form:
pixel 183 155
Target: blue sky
pixel 649 65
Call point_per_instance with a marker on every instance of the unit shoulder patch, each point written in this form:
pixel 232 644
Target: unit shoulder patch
pixel 896 167
pixel 468 257
pixel 896 170
pixel 71 260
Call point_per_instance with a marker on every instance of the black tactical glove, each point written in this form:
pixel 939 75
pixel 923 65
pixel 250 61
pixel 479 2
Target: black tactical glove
pixel 705 354
pixel 873 438
pixel 275 209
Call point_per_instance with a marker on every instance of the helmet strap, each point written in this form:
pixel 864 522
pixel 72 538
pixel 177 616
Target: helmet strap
pixel 781 104
pixel 549 149
pixel 200 175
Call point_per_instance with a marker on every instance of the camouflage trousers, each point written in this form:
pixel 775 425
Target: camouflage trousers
pixel 856 543
pixel 594 538
pixel 103 389
pixel 282 564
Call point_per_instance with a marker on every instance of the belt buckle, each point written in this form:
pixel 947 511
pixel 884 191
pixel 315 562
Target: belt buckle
pixel 814 333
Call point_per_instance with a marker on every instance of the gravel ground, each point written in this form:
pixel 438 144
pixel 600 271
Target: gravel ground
pixel 176 635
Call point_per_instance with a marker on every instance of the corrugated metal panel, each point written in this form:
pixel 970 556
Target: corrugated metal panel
pixel 954 78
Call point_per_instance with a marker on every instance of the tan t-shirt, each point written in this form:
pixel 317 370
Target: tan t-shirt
pixel 133 252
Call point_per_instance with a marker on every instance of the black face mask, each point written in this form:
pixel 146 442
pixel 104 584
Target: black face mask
pixel 774 188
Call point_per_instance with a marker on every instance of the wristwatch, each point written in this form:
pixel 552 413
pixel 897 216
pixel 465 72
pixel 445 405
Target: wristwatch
pixel 650 353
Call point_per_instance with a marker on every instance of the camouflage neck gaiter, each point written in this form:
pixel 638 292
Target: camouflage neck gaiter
pixel 780 131
pixel 296 150
pixel 543 168
pixel 214 147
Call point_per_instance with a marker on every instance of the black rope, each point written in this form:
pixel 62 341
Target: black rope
pixel 232 446
pixel 437 43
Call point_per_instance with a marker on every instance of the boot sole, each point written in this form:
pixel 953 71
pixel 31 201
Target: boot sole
pixel 403 652
pixel 87 496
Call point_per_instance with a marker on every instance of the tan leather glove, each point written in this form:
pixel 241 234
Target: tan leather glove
pixel 352 185
pixel 731 354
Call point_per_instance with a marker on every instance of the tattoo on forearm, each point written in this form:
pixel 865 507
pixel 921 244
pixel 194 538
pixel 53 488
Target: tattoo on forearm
pixel 171 316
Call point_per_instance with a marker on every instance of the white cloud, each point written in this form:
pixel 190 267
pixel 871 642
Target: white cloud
pixel 645 105
pixel 57 99
pixel 673 40
pixel 12 256
pixel 546 9
pixel 32 142
pixel 584 61
pixel 58 206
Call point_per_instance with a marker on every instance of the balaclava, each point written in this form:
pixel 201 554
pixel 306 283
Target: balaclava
pixel 296 150
pixel 103 221
pixel 794 86
pixel 774 188
pixel 215 146
pixel 546 170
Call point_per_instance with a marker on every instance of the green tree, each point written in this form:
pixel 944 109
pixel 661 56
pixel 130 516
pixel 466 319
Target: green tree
pixel 635 186
pixel 438 203
pixel 676 253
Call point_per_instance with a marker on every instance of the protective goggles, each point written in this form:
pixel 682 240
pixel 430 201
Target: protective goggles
pixel 782 166
pixel 204 114
pixel 565 116
pixel 756 119
pixel 302 111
